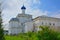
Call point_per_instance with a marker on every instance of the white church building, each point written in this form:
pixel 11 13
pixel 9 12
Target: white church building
pixel 19 24
pixel 24 23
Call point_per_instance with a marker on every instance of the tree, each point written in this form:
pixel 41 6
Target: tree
pixel 1 29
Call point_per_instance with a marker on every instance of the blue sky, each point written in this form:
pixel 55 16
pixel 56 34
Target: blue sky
pixel 50 5
pixel 34 7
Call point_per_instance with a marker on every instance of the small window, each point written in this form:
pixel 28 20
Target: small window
pixel 21 23
pixel 49 23
pixel 22 30
pixel 53 24
pixel 42 23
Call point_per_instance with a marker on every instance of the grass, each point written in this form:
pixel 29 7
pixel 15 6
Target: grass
pixel 12 38
pixel 16 37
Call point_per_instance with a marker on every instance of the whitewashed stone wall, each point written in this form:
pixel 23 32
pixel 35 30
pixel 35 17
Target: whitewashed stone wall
pixel 52 22
pixel 28 26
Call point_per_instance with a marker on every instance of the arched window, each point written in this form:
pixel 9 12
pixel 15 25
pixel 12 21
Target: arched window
pixel 53 24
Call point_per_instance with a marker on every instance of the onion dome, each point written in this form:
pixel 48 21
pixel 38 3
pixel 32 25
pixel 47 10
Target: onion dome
pixel 23 7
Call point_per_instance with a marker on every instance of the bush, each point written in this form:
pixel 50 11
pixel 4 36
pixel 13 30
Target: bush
pixel 47 34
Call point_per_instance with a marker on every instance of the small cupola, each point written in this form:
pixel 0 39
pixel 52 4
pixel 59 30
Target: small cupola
pixel 23 8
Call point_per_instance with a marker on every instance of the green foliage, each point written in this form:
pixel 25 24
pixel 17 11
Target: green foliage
pixel 47 34
pixel 1 34
pixel 1 29
pixel 44 34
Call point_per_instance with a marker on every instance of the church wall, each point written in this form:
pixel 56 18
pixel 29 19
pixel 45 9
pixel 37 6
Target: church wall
pixel 53 23
pixel 14 24
pixel 28 26
pixel 15 31
pixel 24 19
pixel 14 27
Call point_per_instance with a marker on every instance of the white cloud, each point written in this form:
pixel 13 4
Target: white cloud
pixel 56 14
pixel 36 1
pixel 37 12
